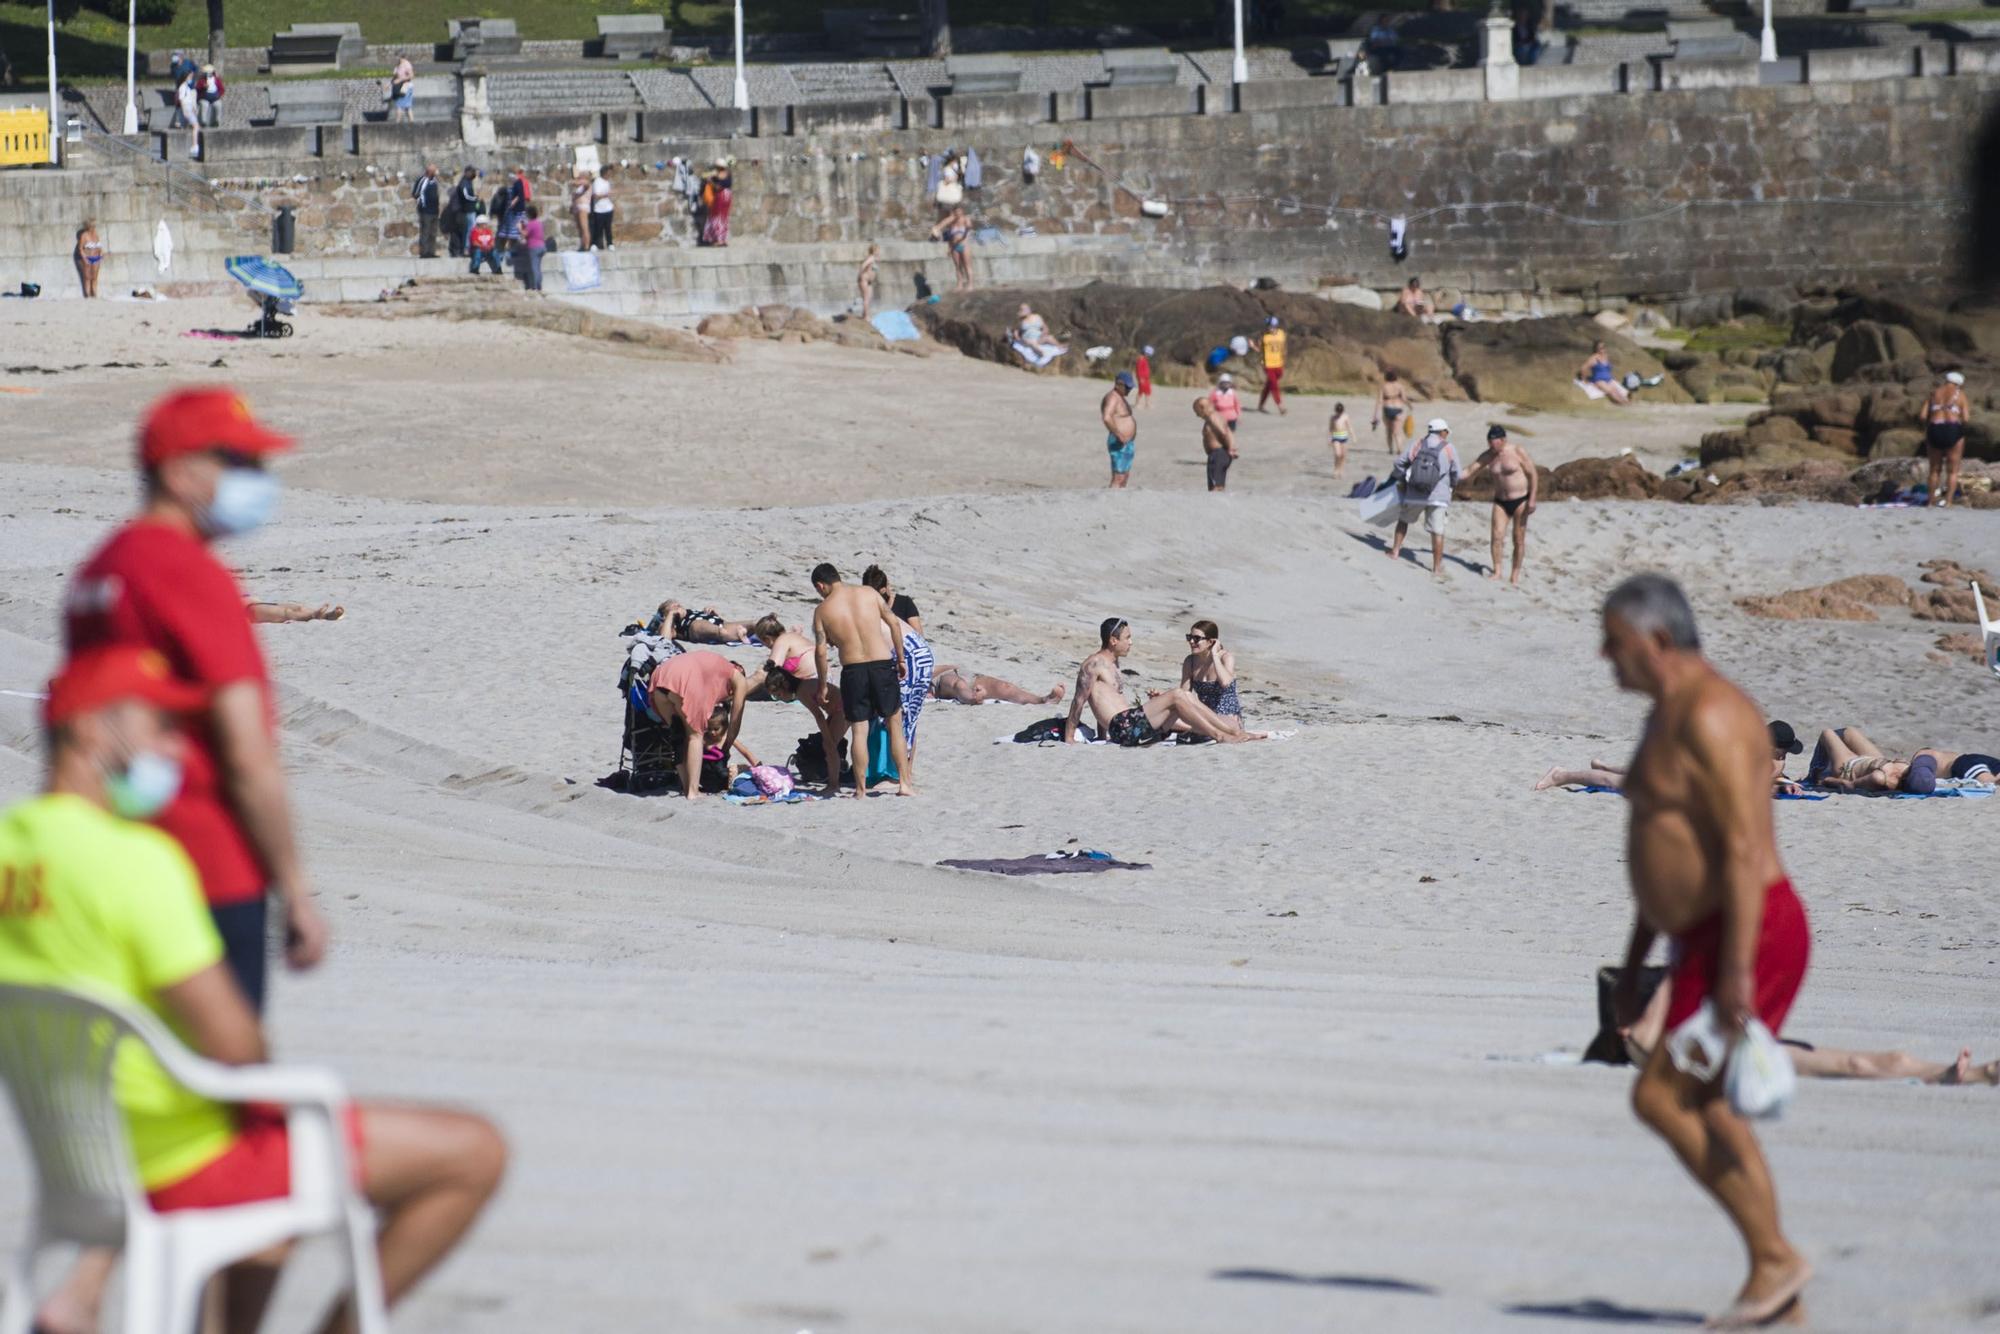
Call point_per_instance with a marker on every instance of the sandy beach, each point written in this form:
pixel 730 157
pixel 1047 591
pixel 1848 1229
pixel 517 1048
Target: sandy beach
pixel 772 1069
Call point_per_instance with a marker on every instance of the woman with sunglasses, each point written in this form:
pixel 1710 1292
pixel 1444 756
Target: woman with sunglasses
pixel 1209 670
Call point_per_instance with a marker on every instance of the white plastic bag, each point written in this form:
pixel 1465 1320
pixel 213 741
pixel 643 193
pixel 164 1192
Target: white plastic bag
pixel 1757 1074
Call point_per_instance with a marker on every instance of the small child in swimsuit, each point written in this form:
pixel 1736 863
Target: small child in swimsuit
pixel 1339 431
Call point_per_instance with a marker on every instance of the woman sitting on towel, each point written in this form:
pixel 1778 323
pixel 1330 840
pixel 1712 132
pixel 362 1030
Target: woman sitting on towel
pixel 677 621
pixel 1597 373
pixel 793 675
pixel 1209 670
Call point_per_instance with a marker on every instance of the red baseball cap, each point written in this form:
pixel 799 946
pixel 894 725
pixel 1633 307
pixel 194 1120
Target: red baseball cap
pixel 93 679
pixel 188 421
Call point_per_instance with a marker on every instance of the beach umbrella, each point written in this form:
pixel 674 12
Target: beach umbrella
pixel 264 278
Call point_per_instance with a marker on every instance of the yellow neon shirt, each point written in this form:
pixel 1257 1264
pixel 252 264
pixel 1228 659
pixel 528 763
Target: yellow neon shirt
pixel 1274 349
pixel 93 903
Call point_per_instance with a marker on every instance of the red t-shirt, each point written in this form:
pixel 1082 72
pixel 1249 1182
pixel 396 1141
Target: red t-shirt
pixel 159 587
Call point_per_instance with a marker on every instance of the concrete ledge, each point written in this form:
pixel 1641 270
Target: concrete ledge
pixel 1436 85
pixel 996 109
pixel 705 123
pixel 528 131
pixel 1279 94
pixel 1570 80
pixel 1139 100
pixel 1859 63
pixel 282 141
pixel 866 113
pixel 398 138
pixel 1680 76
pixel 1975 58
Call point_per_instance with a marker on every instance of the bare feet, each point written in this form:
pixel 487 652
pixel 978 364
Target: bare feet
pixel 905 790
pixel 1770 1289
pixel 1548 780
pixel 1963 1071
pixel 1054 694
pixel 1493 573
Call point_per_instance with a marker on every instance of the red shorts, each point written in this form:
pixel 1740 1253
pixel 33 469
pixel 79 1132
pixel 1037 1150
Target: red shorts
pixel 1783 946
pixel 258 1166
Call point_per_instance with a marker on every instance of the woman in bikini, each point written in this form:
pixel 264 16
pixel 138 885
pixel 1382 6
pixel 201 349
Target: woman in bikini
pixel 89 256
pixel 1392 401
pixel 1209 670
pixel 677 621
pixel 955 229
pixel 865 280
pixel 1847 761
pixel 1515 484
pixel 788 673
pixel 1339 434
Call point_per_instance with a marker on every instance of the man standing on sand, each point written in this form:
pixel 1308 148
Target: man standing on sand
pixel 1705 872
pixel 1515 485
pixel 1274 366
pixel 429 196
pixel 1121 428
pixel 1427 473
pixel 855 620
pixel 1099 685
pixel 1946 412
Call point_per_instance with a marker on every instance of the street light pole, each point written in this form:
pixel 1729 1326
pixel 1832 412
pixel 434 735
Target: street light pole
pixel 131 66
pixel 1239 72
pixel 1768 52
pixel 55 114
pixel 742 88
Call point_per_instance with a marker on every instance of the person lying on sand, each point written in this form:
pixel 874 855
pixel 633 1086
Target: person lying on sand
pixel 1826 1062
pixel 1099 684
pixel 955 683
pixel 677 621
pixel 1603 773
pixel 283 613
pixel 1845 760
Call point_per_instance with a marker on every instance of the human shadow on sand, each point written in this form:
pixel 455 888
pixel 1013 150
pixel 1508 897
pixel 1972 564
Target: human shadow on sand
pixel 1598 1311
pixel 1370 1282
pixel 1416 550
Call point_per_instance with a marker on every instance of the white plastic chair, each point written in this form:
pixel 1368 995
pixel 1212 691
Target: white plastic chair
pixel 56 1050
pixel 1989 630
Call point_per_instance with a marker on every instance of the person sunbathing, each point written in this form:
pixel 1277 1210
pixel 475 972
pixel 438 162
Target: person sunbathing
pixel 1032 331
pixel 1603 773
pixel 1845 760
pixel 284 613
pixel 955 683
pixel 1827 1062
pixel 677 621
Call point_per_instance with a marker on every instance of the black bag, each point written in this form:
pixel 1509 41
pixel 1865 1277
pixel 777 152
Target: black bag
pixel 31 289
pixel 1050 729
pixel 809 761
pixel 1607 1047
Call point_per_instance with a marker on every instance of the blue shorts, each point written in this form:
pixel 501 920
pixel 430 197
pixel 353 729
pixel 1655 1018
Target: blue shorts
pixel 1121 452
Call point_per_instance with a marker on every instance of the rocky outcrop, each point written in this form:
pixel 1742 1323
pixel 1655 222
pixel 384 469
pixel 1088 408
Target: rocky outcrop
pixel 459 299
pixel 795 324
pixel 1533 363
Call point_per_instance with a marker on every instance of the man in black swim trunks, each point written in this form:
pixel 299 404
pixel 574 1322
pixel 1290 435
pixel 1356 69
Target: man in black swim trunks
pixel 1099 683
pixel 857 622
pixel 1515 485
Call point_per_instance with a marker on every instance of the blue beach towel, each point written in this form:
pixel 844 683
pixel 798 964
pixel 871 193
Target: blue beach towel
pixel 895 325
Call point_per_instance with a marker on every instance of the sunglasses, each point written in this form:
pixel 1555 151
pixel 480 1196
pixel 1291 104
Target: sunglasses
pixel 1197 639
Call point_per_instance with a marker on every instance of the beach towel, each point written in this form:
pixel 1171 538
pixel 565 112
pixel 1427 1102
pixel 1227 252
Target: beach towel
pixel 580 270
pixel 1037 357
pixel 1775 796
pixel 1053 863
pixel 1381 506
pixel 735 798
pixel 163 247
pixel 1589 390
pixel 895 325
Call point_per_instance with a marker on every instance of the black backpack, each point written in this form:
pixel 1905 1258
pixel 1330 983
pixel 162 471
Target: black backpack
pixel 809 760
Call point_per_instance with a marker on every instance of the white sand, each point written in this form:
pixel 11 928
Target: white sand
pixel 770 1069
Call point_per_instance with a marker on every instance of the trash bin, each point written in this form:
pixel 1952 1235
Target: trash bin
pixel 284 229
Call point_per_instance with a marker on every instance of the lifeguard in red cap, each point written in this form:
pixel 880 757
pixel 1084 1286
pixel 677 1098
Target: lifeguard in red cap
pixel 156 585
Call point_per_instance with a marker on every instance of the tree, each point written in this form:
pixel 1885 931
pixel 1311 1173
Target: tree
pixel 215 39
pixel 936 16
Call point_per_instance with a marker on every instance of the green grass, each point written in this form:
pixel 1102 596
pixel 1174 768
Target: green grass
pixel 1738 333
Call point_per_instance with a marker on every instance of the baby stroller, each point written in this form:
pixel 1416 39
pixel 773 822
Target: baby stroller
pixel 267 324
pixel 272 288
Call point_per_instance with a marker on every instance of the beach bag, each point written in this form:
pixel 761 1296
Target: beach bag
pixel 1048 729
pixel 771 780
pixel 1409 424
pixel 1424 469
pixel 809 760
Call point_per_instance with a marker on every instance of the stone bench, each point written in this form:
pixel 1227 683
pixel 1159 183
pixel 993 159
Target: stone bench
pixel 1735 46
pixel 334 44
pixel 1683 30
pixel 435 97
pixel 972 75
pixel 307 103
pixel 633 36
pixel 1142 66
pixel 482 36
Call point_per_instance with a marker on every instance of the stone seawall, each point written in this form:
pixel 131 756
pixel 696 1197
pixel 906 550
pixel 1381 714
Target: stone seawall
pixel 1671 196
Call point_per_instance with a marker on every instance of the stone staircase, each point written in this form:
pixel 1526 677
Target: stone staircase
pixel 561 92
pixel 844 82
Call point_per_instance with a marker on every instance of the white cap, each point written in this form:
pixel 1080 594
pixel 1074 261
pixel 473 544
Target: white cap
pixel 1437 424
pixel 1223 378
pixel 1954 377
pixel 1147 349
pixel 1274 321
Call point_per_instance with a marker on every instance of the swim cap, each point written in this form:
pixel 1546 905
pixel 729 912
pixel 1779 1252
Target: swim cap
pixel 1954 377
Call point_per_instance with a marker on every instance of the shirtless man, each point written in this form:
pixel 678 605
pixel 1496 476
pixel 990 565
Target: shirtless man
pixel 1945 414
pixel 956 683
pixel 1413 302
pixel 855 620
pixel 1121 428
pixel 1705 871
pixel 1391 402
pixel 1515 486
pixel 1099 684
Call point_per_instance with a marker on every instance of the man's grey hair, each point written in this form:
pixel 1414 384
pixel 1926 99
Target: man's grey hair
pixel 1653 603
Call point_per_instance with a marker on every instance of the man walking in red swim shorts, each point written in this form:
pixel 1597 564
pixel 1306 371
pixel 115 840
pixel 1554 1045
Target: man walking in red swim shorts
pixel 1705 872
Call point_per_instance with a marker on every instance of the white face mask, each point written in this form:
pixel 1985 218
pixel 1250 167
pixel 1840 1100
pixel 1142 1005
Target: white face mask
pixel 145 786
pixel 245 499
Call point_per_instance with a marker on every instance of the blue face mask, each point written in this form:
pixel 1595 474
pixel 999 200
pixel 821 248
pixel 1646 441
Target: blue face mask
pixel 245 499
pixel 148 782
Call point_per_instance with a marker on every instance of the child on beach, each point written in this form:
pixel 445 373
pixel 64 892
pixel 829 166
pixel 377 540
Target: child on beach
pixel 1339 431
pixel 1143 369
pixel 480 244
pixel 1227 408
pixel 1218 442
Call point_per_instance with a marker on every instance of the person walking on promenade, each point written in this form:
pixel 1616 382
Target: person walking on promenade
pixel 1705 872
pixel 534 243
pixel 429 196
pixel 601 209
pixel 403 91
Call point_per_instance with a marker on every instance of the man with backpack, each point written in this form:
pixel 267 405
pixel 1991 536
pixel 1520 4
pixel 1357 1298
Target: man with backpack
pixel 1426 474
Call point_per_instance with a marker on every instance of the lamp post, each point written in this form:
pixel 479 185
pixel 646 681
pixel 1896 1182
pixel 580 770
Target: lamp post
pixel 55 113
pixel 1768 52
pixel 131 66
pixel 1239 72
pixel 742 88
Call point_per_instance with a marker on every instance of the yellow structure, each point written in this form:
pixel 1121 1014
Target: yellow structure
pixel 24 137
